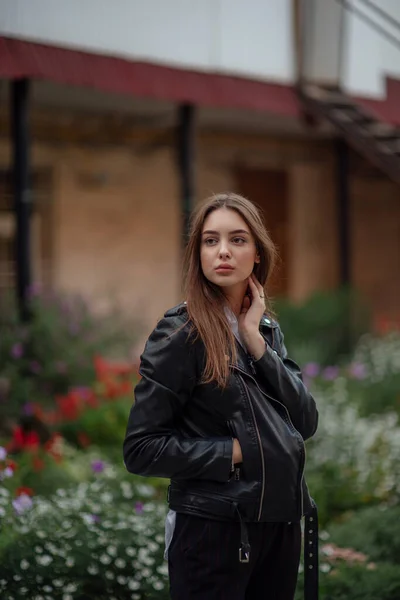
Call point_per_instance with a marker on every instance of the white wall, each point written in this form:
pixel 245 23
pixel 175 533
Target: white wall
pixel 250 38
pixel 365 58
pixel 369 56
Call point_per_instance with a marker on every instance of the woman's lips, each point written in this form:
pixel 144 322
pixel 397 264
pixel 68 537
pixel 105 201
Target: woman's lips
pixel 224 269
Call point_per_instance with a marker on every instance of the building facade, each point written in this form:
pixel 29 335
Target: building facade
pixel 107 98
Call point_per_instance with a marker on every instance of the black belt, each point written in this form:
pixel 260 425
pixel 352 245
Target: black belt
pixel 311 564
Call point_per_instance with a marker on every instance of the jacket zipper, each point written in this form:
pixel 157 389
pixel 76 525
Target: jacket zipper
pixel 260 446
pixel 236 472
pixel 289 421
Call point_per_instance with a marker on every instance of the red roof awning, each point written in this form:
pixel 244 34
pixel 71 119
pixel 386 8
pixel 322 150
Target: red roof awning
pixel 38 61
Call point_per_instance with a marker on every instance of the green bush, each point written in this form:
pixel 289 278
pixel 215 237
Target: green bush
pixel 351 461
pixel 358 582
pixel 54 351
pixel 104 425
pixel 373 530
pixel 101 539
pixel 325 328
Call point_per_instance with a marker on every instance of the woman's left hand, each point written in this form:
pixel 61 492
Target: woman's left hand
pixel 249 319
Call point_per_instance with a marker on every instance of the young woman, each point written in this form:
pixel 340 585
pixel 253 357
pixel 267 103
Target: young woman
pixel 222 411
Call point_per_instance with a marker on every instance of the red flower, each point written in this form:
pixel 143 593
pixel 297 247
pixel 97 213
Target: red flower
pixel 12 465
pixel 25 440
pixel 24 490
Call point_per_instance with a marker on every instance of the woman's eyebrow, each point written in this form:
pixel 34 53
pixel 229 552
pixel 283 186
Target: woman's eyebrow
pixel 210 231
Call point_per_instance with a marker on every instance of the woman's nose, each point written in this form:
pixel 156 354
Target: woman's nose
pixel 224 251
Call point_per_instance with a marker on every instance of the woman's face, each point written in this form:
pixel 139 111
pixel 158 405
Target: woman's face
pixel 228 250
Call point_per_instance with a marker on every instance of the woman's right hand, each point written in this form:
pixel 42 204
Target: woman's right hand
pixel 237 452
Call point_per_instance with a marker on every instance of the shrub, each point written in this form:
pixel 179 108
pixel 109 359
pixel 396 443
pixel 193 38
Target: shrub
pixel 374 530
pixel 101 539
pixel 324 328
pixel 352 461
pixel 357 582
pixel 54 351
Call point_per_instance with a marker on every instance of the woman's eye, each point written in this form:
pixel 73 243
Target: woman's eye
pixel 210 241
pixel 238 240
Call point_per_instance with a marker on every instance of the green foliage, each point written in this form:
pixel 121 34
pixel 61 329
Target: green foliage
pixel 102 539
pixel 325 328
pixel 55 350
pixel 358 582
pixel 374 531
pixel 104 425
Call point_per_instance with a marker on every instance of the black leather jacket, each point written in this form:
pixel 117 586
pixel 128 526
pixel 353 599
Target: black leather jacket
pixel 182 429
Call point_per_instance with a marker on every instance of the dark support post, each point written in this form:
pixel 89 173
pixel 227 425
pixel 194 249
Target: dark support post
pixel 186 143
pixel 343 223
pixel 343 212
pixel 22 200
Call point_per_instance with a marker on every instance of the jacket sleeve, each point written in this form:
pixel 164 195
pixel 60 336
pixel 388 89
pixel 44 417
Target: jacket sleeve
pixel 152 446
pixel 284 376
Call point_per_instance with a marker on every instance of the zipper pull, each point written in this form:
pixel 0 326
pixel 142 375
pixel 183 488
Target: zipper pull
pixel 237 473
pixel 252 367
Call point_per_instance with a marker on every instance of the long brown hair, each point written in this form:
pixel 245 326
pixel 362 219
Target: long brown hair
pixel 205 300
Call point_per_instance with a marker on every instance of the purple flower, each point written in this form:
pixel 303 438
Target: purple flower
pixel 27 409
pixel 17 350
pixel 22 504
pixel 311 369
pixel 95 518
pixel 8 472
pixel 358 371
pixel 139 507
pixel 3 453
pixel 98 466
pixel 83 391
pixel 330 373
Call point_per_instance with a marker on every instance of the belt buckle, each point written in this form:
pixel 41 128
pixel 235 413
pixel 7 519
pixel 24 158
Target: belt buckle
pixel 244 557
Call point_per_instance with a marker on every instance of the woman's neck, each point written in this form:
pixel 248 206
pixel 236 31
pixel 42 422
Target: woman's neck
pixel 234 297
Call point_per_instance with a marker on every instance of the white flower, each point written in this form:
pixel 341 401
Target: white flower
pixel 133 584
pixel 105 559
pixel 120 563
pixel 163 569
pixel 158 585
pixel 24 564
pixel 130 551
pixel 325 568
pixel 106 498
pixel 93 569
pixel 109 575
pixel 121 580
pixel 145 490
pixel 44 560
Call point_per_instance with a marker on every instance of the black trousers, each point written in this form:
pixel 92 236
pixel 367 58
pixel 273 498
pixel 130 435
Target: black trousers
pixel 203 560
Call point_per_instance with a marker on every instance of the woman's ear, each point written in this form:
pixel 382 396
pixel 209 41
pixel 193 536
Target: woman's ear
pixel 257 259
